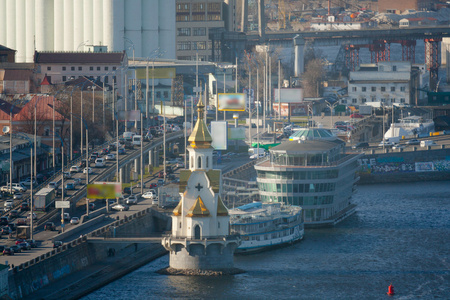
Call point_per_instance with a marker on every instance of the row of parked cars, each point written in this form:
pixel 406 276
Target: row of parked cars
pixel 20 245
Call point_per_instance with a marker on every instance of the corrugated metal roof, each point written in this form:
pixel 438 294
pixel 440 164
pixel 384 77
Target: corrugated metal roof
pixel 379 76
pixel 23 75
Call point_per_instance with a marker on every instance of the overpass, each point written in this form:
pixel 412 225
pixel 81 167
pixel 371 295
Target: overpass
pixel 378 41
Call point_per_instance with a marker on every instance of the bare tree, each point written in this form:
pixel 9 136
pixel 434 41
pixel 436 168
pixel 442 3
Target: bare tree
pixel 313 77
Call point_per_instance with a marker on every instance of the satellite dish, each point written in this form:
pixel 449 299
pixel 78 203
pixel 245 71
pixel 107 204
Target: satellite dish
pixel 5 129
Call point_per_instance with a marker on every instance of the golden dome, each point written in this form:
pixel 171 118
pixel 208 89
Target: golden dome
pixel 200 136
pixel 198 209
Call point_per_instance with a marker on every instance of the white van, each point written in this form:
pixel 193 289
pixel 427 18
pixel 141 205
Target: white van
pixel 427 143
pixel 128 136
pixel 136 140
pixel 54 184
pixel 100 162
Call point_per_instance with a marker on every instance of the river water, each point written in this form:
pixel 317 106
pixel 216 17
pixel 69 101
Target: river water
pixel 400 234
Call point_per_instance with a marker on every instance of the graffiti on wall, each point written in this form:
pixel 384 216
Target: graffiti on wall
pixel 397 165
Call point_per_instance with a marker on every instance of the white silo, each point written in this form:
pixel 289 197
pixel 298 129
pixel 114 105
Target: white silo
pixel 98 22
pixel 11 24
pixel 68 25
pixel 133 27
pixel 150 41
pixel 118 19
pixel 3 22
pixel 78 26
pixel 30 29
pixel 20 30
pixel 108 23
pixel 88 10
pixel 59 25
pixel 44 25
pixel 167 27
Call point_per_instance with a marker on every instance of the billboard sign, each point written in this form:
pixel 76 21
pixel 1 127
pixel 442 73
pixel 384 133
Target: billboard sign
pixel 161 73
pixel 288 95
pixel 62 204
pixel 130 115
pixel 231 102
pixel 105 190
pixel 219 135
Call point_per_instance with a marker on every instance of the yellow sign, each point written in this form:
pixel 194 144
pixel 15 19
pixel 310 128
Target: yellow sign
pixel 103 191
pixel 164 73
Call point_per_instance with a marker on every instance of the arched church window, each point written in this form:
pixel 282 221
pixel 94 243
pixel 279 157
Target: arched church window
pixel 207 162
pixel 199 162
pixel 197 232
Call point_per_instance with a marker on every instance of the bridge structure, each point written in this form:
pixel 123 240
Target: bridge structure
pixel 378 41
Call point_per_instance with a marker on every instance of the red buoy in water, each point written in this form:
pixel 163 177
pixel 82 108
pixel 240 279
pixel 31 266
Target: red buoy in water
pixel 391 290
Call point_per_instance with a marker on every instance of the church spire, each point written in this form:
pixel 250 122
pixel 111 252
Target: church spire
pixel 200 136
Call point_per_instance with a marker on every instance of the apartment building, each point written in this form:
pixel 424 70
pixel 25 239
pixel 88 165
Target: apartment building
pixel 196 20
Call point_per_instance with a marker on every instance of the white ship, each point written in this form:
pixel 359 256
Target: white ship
pixel 413 126
pixel 265 225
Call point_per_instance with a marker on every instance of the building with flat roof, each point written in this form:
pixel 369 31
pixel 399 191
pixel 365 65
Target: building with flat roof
pixel 314 173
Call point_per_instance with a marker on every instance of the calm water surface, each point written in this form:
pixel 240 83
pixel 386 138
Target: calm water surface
pixel 400 234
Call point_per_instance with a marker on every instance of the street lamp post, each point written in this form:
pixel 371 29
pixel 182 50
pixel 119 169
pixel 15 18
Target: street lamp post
pixel 331 106
pixel 62 179
pixel 83 122
pixel 93 87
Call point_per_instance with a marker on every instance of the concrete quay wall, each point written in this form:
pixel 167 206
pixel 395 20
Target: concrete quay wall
pixel 411 166
pixel 47 269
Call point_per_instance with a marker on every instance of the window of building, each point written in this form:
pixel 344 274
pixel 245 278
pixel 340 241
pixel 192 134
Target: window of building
pixel 158 94
pixel 98 68
pixel 91 68
pixel 114 68
pixel 364 100
pixel 166 94
pixel 199 31
pixel 106 79
pixel 363 89
pixel 402 100
pixel 184 46
pixel 354 89
pixel 49 68
pixel 72 68
pixel 182 7
pixel 199 162
pixel 392 100
pixel 374 89
pixel 198 17
pixel 183 18
pixel 374 99
pixel 80 68
pixel 198 7
pixel 354 100
pixel 213 16
pixel 183 57
pixel 114 78
pixel 64 78
pixel 392 88
pixel 402 89
pixel 207 162
pixel 106 68
pixel 383 89
pixel 49 78
pixel 63 68
pixel 184 32
pixel 394 68
pixel 199 45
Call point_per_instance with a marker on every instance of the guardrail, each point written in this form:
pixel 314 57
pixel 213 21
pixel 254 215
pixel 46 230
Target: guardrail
pixel 103 231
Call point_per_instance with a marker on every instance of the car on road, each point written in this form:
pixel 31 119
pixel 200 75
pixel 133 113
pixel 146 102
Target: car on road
pixel 57 244
pixel 356 116
pixel 50 226
pixel 18 196
pixel 398 147
pixel 21 221
pixel 32 243
pixel 88 169
pixel 127 190
pixel 361 145
pixel 74 169
pixel 70 185
pixel 13 213
pixel 27 182
pixel 75 221
pixel 24 246
pixel 24 206
pixel 148 195
pixel 155 200
pixel 180 165
pixel 120 207
pixel 386 144
pixel 171 204
pixel 153 185
pixel 160 182
pixel 122 151
pixel 77 181
pixel 413 142
pixel 8 251
pixel 110 156
pixel 4 220
pixel 67 175
pixel 6 230
pixel 91 206
pixel 16 249
pixel 82 164
pixel 131 200
pixel 18 241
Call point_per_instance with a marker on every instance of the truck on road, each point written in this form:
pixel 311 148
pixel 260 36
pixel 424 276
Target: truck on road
pixel 44 198
pixel 23 232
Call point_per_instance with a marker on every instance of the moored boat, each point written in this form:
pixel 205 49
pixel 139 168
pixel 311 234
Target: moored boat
pixel 265 225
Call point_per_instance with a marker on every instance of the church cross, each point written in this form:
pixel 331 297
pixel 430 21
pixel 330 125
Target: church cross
pixel 198 187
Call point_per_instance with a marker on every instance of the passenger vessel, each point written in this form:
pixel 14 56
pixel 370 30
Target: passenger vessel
pixel 265 225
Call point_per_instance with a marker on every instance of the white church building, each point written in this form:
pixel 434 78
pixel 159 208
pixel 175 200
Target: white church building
pixel 200 237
